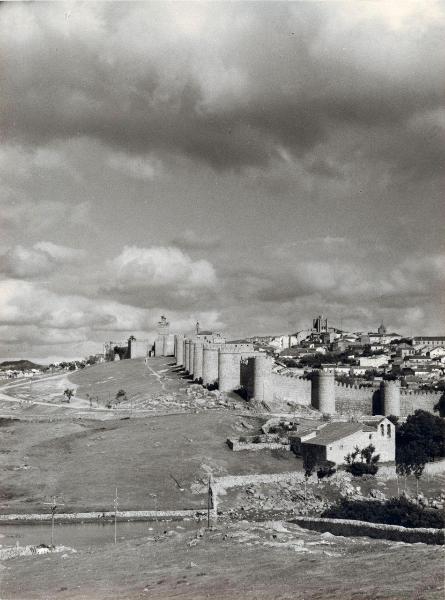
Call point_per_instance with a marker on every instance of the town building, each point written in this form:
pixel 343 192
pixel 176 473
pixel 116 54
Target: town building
pixel 431 341
pixel 335 440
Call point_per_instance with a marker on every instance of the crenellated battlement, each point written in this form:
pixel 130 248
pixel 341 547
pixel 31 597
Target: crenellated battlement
pixel 232 366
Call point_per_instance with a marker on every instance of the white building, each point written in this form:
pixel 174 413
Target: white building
pixel 335 440
pixel 373 362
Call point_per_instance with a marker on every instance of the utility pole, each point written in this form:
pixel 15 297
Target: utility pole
pixel 116 504
pixel 209 502
pixel 53 509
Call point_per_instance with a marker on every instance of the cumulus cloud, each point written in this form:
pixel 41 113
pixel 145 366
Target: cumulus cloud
pixel 160 266
pixel 28 304
pixel 41 259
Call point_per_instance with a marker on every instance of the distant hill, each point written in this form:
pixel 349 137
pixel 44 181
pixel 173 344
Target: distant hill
pixel 19 365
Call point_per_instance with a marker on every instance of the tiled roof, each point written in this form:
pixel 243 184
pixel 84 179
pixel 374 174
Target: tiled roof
pixel 336 431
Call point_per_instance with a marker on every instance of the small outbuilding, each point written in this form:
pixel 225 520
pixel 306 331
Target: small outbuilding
pixel 334 441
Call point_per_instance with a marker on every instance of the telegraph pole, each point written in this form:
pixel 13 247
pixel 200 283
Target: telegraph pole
pixel 209 502
pixel 53 509
pixel 116 504
pixel 53 512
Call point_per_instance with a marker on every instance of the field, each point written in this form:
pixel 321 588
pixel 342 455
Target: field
pixel 242 560
pixel 153 460
pixel 159 455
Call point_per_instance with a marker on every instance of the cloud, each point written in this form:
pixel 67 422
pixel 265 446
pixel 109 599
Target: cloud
pixel 36 321
pixel 223 86
pixel 30 304
pixel 296 147
pixel 191 240
pixel 144 168
pixel 41 259
pixel 160 266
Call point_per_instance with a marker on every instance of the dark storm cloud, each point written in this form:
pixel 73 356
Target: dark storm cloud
pixel 226 94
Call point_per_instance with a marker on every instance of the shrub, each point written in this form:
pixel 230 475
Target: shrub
pixel 362 462
pixel 396 511
pixel 326 469
pixel 357 469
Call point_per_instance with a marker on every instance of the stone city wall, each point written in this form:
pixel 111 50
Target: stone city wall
pixel 412 401
pixel 290 388
pixel 240 366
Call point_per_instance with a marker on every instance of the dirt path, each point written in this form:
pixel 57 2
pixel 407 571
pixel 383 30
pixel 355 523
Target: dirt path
pixel 159 377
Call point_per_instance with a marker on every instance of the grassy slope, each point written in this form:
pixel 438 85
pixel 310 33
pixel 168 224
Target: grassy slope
pixel 84 460
pixel 235 561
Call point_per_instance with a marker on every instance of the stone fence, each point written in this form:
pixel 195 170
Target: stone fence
pixel 229 481
pixel 374 530
pixel 101 517
pixel 237 446
pixel 432 468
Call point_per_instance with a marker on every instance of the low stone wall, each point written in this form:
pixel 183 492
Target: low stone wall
pixel 374 530
pixel 230 481
pixel 91 517
pixel 237 446
pixel 431 468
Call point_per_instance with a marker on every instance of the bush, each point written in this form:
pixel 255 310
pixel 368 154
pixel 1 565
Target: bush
pixel 357 469
pixel 326 469
pixel 362 462
pixel 396 511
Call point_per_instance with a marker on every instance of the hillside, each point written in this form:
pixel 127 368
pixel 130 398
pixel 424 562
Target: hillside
pixel 20 365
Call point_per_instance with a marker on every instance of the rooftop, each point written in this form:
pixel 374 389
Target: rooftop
pixel 336 431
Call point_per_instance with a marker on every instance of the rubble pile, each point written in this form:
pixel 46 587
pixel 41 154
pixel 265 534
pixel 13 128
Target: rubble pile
pixel 193 397
pixel 300 498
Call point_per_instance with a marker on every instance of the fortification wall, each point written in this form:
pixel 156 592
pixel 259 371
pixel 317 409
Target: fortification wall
pixel 179 350
pixel 247 374
pixel 229 371
pixel 356 400
pixel 197 360
pixel 139 348
pixel 169 345
pixel 159 346
pixel 241 348
pixel 291 389
pixel 412 401
pixel 210 365
pixel 191 359
pixel 186 355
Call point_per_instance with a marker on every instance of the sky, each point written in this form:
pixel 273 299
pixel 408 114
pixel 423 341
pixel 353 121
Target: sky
pixel 248 165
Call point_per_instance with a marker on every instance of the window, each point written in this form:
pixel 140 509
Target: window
pixel 382 429
pixel 388 430
pixel 370 436
pixel 330 447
